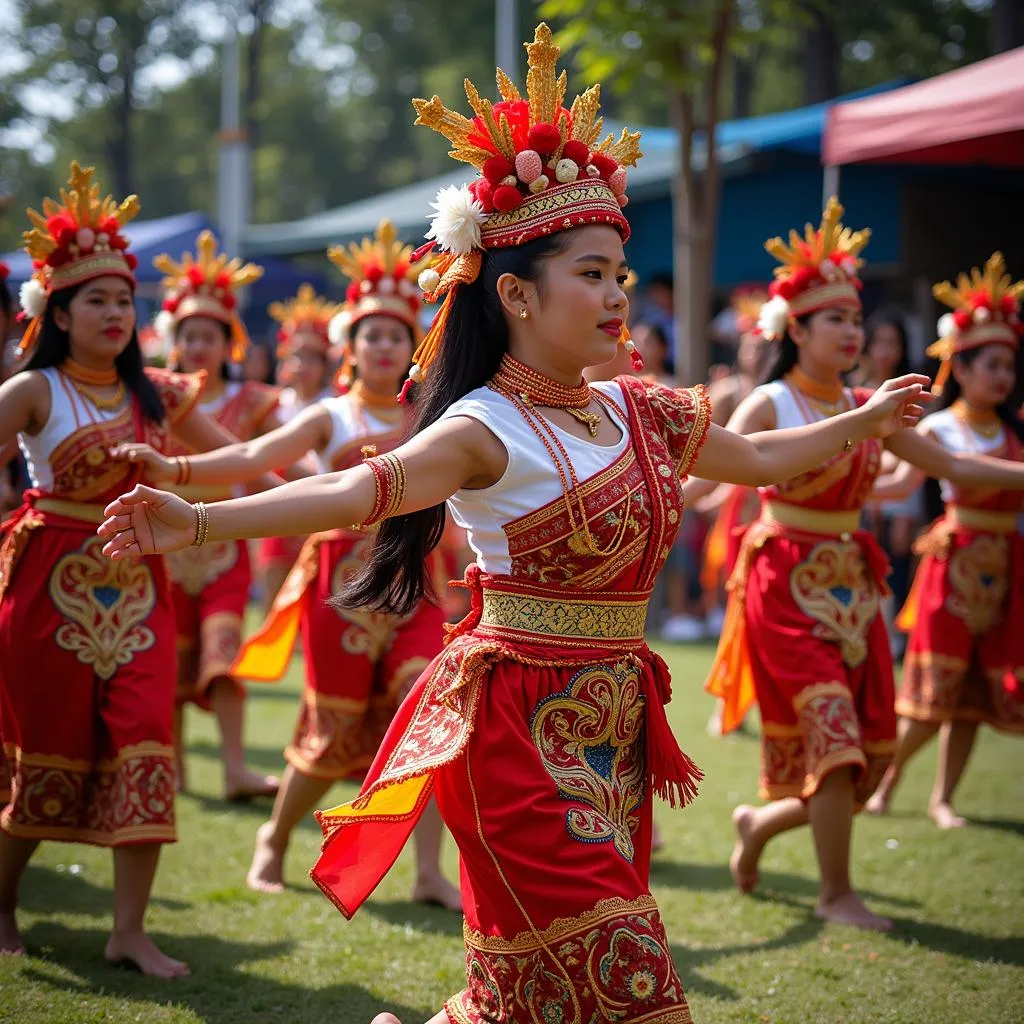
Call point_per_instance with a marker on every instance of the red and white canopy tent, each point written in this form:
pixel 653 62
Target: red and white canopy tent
pixel 973 115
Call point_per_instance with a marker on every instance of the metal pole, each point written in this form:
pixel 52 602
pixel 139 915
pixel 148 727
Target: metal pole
pixel 830 184
pixel 233 176
pixel 506 32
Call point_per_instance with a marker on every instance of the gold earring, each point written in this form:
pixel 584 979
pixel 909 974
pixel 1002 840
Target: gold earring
pixel 524 313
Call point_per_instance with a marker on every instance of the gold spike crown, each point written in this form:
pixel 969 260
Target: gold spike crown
pixel 74 240
pixel 382 273
pixel 821 268
pixel 207 284
pixel 307 315
pixel 986 310
pixel 543 168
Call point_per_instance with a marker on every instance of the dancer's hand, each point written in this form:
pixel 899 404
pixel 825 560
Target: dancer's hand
pixel 896 405
pixel 157 468
pixel 146 521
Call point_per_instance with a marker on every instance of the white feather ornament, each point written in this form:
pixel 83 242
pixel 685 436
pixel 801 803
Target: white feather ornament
pixel 456 224
pixel 337 329
pixel 946 326
pixel 32 298
pixel 774 318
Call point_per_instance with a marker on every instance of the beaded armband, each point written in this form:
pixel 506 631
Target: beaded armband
pixel 389 476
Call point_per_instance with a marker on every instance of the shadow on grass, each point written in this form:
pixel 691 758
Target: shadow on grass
pixel 263 758
pixel 690 961
pixel 427 920
pixel 219 991
pixel 716 878
pixel 43 888
pixel 257 692
pixel 941 938
pixel 999 825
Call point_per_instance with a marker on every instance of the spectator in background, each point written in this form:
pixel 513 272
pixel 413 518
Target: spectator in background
pixel 259 364
pixel 656 307
pixel 895 523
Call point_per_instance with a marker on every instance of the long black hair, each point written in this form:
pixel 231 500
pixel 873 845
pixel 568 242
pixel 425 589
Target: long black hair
pixel 6 303
pixel 1008 411
pixel 54 346
pixel 476 337
pixel 786 354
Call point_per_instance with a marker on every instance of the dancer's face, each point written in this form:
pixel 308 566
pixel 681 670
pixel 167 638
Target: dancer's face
pixel 989 379
pixel 382 347
pixel 202 344
pixel 831 340
pixel 99 321
pixel 577 307
pixel 306 366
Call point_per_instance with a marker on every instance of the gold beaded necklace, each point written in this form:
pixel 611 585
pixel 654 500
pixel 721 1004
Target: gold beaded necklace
pixel 85 380
pixel 535 389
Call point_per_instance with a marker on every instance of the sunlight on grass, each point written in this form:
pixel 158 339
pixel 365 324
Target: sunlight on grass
pixel 958 899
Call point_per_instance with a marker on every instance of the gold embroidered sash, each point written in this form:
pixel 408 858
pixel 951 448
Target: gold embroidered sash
pixel 982 519
pixel 810 519
pixel 71 509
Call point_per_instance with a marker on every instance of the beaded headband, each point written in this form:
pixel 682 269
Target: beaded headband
pixel 543 169
pixel 986 311
pixel 73 241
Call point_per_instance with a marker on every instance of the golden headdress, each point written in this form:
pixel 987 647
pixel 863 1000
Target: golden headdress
pixel 73 241
pixel 986 311
pixel 205 284
pixel 817 271
pixel 543 169
pixel 305 315
pixel 746 303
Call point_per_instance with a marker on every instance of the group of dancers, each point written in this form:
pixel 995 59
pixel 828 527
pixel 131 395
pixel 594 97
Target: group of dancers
pixel 535 728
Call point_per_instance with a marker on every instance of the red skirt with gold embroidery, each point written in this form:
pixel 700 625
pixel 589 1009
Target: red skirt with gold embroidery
pixel 965 615
pixel 359 667
pixel 210 589
pixel 819 656
pixel 87 669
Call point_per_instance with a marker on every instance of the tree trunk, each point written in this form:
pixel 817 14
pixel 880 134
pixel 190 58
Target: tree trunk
pixel 121 154
pixel 1006 29
pixel 254 88
pixel 742 86
pixel 821 52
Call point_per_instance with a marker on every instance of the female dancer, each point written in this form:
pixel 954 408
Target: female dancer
pixel 303 352
pixel 211 587
pixel 541 726
pixel 803 635
pixel 359 664
pixel 79 633
pixel 965 658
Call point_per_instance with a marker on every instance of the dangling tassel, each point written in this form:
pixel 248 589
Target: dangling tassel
pixel 941 376
pixel 239 339
pixel 426 351
pixel 30 338
pixel 636 360
pixel 403 395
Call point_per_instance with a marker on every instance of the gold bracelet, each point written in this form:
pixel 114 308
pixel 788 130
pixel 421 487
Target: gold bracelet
pixel 184 470
pixel 202 524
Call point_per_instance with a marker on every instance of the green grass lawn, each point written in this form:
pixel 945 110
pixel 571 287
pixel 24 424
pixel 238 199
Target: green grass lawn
pixel 955 955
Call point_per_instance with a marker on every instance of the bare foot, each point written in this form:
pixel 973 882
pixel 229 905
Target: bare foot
pixel 10 938
pixel 437 891
pixel 850 910
pixel 244 785
pixel 266 873
pixel 878 803
pixel 745 854
pixel 138 949
pixel 945 817
pixel 385 1018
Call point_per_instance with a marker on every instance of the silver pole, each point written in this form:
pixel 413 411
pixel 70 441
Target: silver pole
pixel 830 184
pixel 233 175
pixel 506 30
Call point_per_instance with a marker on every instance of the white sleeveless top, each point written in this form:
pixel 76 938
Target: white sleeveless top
pixel 791 409
pixel 957 436
pixel 289 405
pixel 349 422
pixel 530 480
pixel 69 411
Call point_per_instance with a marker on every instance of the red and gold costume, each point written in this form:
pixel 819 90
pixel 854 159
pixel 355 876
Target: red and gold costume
pixel 541 727
pixel 803 635
pixel 210 585
pixel 359 664
pixel 87 660
pixel 305 324
pixel 965 654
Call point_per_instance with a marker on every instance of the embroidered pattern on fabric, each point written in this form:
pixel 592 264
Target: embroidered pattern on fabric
pixel 978 578
pixel 829 727
pixel 833 587
pixel 590 740
pixel 683 416
pixel 616 956
pixel 129 798
pixel 591 620
pixel 194 569
pixel 336 737
pixel 107 603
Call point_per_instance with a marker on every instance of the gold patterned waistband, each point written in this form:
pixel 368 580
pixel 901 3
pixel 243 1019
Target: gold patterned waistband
pixel 810 519
pixel 597 619
pixel 71 509
pixel 982 519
